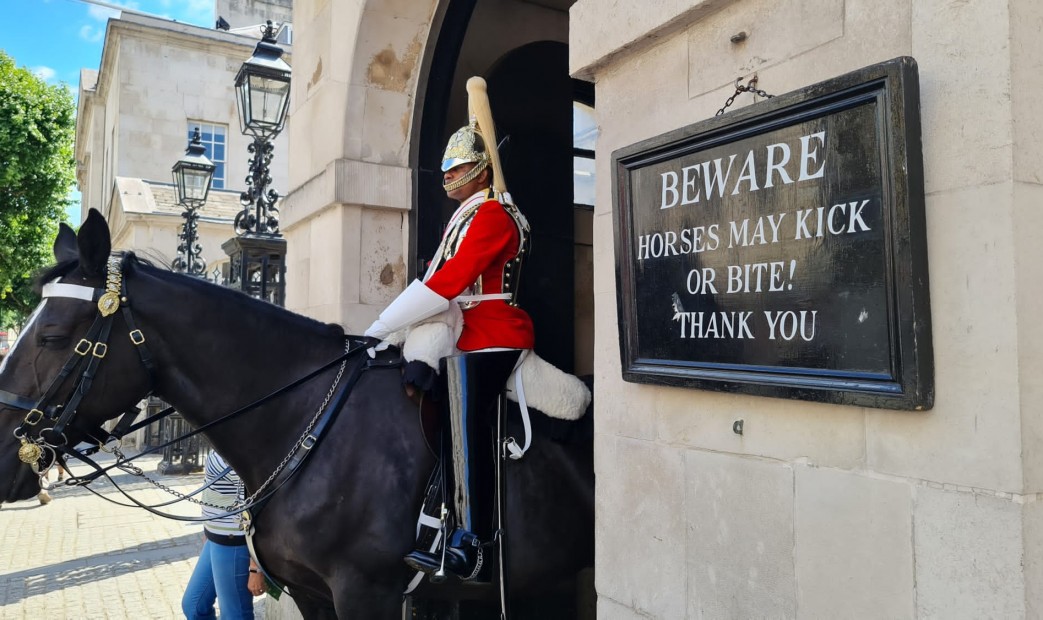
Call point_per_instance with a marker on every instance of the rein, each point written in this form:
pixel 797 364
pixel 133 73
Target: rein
pixel 257 403
pixel 85 359
pixel 289 465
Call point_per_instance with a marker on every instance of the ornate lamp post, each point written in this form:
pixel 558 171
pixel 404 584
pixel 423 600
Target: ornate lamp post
pixel 257 253
pixel 263 94
pixel 193 175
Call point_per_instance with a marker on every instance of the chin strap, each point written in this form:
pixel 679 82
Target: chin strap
pixel 467 178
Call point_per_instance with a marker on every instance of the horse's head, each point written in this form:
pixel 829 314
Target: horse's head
pixel 71 367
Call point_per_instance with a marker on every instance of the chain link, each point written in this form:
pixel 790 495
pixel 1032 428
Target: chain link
pixel 136 471
pixel 751 87
pixel 239 503
pixel 182 496
pixel 300 441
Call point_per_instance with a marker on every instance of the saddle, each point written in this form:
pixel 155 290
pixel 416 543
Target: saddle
pixel 554 392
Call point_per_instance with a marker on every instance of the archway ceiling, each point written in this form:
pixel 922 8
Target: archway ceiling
pixel 558 5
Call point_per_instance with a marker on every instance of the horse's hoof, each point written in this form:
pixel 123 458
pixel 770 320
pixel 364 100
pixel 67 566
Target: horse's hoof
pixel 44 498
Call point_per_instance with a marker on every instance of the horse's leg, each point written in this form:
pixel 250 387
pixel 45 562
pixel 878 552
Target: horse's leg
pixel 429 609
pixel 314 608
pixel 375 604
pixel 359 598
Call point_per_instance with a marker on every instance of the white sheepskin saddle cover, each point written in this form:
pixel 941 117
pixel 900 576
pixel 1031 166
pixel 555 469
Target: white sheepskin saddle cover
pixel 546 387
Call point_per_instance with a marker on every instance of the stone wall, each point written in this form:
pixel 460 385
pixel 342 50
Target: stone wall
pixel 821 511
pixel 156 79
pixel 345 220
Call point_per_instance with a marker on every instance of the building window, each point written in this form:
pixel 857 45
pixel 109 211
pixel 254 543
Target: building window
pixel 584 137
pixel 214 138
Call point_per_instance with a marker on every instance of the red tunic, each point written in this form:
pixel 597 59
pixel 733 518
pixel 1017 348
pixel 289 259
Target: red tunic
pixel 490 241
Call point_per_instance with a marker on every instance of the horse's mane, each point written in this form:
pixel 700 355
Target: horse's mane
pixel 132 262
pixel 46 274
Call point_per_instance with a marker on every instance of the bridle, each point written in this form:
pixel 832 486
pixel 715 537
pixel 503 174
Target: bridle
pixel 47 414
pixel 41 449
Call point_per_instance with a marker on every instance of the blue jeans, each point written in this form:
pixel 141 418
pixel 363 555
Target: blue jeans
pixel 220 575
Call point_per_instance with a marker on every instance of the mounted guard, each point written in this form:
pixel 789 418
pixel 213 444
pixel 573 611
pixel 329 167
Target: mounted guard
pixel 280 364
pixel 477 265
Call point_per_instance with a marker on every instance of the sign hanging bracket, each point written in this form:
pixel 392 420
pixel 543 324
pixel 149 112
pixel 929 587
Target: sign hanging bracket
pixel 751 87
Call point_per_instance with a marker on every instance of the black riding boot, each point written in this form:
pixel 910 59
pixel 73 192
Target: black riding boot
pixel 475 381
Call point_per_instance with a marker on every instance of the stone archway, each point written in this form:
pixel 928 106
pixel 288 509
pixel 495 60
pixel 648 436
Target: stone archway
pixel 346 216
pixel 357 163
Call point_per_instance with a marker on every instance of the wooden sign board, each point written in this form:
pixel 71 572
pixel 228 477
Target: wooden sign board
pixel 780 249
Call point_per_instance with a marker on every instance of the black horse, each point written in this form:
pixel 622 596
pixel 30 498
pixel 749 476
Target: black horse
pixel 336 532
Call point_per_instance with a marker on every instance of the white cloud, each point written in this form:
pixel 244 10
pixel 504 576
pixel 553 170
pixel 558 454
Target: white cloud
pixel 200 8
pixel 101 13
pixel 44 73
pixel 198 12
pixel 91 34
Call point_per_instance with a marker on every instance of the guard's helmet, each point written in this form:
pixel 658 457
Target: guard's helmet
pixel 476 142
pixel 466 146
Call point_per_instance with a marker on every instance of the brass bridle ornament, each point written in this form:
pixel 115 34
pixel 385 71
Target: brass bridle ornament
pixel 40 449
pixel 82 365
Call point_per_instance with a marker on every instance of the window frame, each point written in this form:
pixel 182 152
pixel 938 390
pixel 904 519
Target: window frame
pixel 220 180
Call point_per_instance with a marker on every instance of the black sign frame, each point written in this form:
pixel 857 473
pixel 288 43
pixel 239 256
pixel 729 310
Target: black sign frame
pixel 904 378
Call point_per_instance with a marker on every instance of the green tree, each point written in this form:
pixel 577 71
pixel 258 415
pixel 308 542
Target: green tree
pixel 37 169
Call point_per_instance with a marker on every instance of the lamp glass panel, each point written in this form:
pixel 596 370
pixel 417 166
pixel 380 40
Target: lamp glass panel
pixel 267 98
pixel 196 182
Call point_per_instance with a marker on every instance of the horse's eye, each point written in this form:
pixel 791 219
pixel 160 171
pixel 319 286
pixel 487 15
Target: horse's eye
pixel 53 342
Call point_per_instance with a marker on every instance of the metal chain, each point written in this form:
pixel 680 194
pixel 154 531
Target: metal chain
pixel 300 440
pixel 239 503
pixel 751 87
pixel 136 471
pixel 182 496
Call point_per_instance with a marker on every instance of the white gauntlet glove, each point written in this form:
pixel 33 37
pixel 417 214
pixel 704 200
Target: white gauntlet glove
pixel 414 304
pixel 377 330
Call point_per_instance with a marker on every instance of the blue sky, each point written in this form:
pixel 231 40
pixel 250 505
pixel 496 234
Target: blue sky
pixel 57 38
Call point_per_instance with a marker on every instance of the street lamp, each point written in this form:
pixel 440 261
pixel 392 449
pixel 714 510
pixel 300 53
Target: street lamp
pixel 256 255
pixel 193 175
pixel 263 94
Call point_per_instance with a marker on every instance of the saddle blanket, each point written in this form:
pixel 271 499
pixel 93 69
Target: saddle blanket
pixel 546 387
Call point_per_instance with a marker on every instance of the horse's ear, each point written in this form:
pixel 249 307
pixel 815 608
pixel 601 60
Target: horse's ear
pixel 65 244
pixel 94 244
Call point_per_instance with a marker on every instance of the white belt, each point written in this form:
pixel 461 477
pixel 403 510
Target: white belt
pixel 463 299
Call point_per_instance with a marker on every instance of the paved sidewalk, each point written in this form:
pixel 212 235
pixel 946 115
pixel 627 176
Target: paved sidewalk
pixel 81 557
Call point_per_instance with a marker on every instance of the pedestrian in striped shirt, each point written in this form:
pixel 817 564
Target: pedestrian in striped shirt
pixel 225 572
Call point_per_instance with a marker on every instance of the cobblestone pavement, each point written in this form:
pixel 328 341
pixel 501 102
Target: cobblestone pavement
pixel 81 557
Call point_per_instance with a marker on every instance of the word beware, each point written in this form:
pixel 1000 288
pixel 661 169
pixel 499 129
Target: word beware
pixel 683 188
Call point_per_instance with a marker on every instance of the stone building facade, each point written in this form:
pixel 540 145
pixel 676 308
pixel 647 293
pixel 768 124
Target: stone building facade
pixel 821 511
pixel 158 80
pixel 816 510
